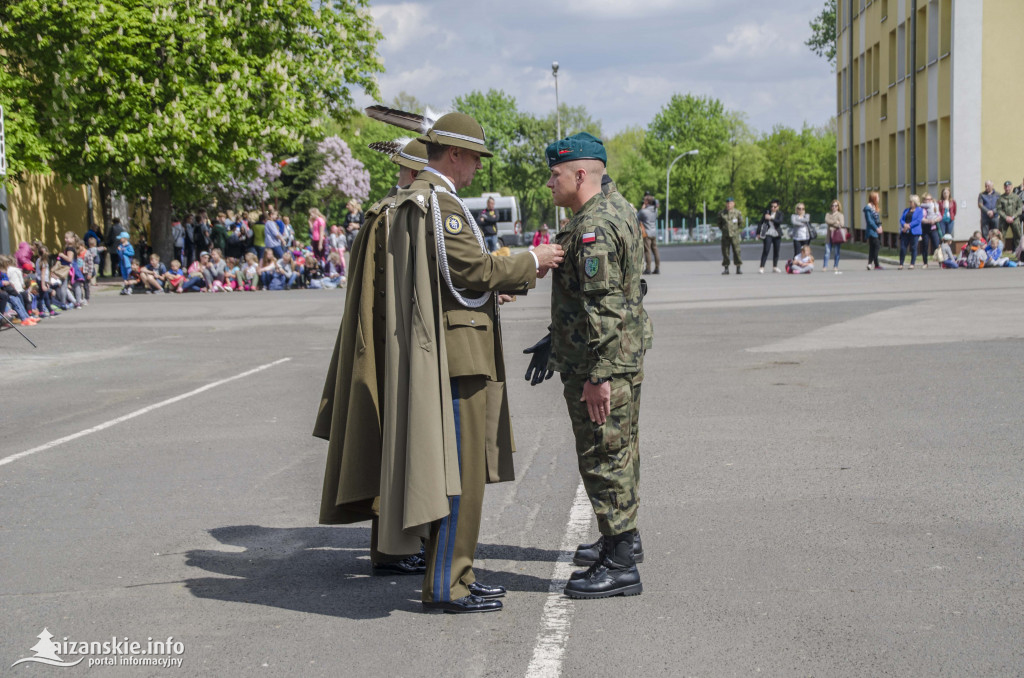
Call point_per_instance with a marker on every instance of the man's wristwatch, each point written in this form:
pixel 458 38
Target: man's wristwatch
pixel 597 381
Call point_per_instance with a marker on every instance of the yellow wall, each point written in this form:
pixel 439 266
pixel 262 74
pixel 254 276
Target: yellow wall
pixel 40 207
pixel 1003 52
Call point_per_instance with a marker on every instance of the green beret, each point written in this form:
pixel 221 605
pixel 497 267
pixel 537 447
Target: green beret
pixel 582 146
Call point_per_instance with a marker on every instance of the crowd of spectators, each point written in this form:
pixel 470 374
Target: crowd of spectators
pixel 225 254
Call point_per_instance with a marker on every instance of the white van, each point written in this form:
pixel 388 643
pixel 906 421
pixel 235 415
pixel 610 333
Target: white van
pixel 509 232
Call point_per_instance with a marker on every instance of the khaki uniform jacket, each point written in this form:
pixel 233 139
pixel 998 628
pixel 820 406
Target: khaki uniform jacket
pixel 387 407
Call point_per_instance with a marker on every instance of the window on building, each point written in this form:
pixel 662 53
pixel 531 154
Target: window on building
pixel 885 9
pixel 891 179
pixel 892 57
pixel 921 55
pixel 884 203
pixel 869 166
pixel 945 27
pixel 876 74
pixel 921 151
pixel 901 159
pixel 945 150
pixel 884 107
pixel 901 51
pixel 877 183
pixel 933 152
pixel 933 31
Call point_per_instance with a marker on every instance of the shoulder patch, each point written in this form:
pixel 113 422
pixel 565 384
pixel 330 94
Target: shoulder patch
pixel 453 224
pixel 589 238
pixel 591 266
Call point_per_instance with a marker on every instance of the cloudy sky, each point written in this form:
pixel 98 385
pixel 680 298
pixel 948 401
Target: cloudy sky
pixel 622 59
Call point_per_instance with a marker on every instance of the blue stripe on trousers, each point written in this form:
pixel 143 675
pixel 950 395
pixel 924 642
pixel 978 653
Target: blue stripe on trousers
pixel 450 523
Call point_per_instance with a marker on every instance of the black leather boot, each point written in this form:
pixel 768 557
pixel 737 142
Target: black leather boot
pixel 614 575
pixel 587 554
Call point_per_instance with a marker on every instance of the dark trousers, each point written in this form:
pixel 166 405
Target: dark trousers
pixel 797 244
pixel 773 243
pixel 874 244
pixel 988 223
pixel 908 241
pixel 452 543
pixel 929 243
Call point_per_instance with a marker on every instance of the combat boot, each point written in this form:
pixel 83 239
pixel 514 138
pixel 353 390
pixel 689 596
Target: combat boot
pixel 726 271
pixel 738 271
pixel 588 554
pixel 615 574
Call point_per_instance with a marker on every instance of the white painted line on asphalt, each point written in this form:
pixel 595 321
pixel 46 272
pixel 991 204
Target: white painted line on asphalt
pixel 137 413
pixel 549 651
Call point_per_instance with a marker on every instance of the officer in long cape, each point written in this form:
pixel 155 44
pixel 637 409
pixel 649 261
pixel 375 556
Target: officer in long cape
pixel 418 416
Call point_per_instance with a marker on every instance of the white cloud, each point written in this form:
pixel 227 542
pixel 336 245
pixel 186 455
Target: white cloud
pixel 621 59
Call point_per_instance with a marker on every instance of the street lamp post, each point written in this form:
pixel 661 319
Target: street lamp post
pixel 558 128
pixel 668 173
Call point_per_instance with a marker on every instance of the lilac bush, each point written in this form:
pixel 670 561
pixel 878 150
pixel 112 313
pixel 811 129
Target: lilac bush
pixel 342 174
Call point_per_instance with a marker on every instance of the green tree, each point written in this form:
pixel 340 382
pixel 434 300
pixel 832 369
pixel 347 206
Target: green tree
pixel 689 122
pixel 743 164
pixel 26 150
pixel 632 172
pixel 162 99
pixel 799 167
pixel 823 33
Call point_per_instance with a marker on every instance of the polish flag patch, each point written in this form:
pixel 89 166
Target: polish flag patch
pixel 589 238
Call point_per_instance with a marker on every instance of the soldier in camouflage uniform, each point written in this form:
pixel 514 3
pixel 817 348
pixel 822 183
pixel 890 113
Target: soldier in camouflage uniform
pixel 730 222
pixel 1008 211
pixel 599 334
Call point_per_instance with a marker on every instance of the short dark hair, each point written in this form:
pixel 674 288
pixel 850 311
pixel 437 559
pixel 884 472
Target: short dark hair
pixel 434 151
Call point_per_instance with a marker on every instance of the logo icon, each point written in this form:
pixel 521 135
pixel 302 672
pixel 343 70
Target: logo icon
pixel 46 652
pixel 591 266
pixel 453 224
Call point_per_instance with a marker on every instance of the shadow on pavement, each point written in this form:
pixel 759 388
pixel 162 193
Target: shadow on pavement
pixel 326 570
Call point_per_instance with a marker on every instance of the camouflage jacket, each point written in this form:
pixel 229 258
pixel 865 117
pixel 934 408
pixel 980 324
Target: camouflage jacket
pixel 599 327
pixel 1008 205
pixel 730 222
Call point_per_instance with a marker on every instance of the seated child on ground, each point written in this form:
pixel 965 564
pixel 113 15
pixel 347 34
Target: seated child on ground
pixel 801 263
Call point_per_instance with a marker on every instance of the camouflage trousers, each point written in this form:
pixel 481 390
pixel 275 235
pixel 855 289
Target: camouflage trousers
pixel 734 245
pixel 609 454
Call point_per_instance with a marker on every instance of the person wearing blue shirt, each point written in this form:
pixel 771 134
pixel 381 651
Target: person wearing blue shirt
pixel 873 230
pixel 125 252
pixel 910 230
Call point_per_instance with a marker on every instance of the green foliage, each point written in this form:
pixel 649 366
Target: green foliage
pixel 743 164
pixel 689 122
pixel 632 172
pixel 178 96
pixel 798 167
pixel 823 33
pixel 26 149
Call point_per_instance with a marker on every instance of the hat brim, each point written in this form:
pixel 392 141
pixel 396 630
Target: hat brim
pixel 568 159
pixel 458 143
pixel 403 161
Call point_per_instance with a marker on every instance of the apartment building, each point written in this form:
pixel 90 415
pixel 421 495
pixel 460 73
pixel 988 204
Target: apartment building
pixel 930 94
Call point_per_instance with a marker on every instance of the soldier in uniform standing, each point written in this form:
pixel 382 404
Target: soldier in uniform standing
pixel 599 334
pixel 410 156
pixel 648 217
pixel 420 414
pixel 1008 211
pixel 730 222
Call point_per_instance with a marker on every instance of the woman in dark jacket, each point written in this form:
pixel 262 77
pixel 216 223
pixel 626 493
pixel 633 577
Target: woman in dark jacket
pixel 770 231
pixel 873 230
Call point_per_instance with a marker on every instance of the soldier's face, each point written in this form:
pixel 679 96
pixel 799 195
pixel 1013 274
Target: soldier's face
pixel 466 164
pixel 562 184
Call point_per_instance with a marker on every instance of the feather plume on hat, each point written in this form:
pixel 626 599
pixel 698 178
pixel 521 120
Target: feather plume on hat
pixel 389 147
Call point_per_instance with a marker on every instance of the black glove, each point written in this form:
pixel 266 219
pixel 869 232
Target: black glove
pixel 541 351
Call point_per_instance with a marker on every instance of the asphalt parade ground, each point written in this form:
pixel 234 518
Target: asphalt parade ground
pixel 832 485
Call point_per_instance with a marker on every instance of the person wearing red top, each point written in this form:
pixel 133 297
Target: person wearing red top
pixel 947 210
pixel 541 237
